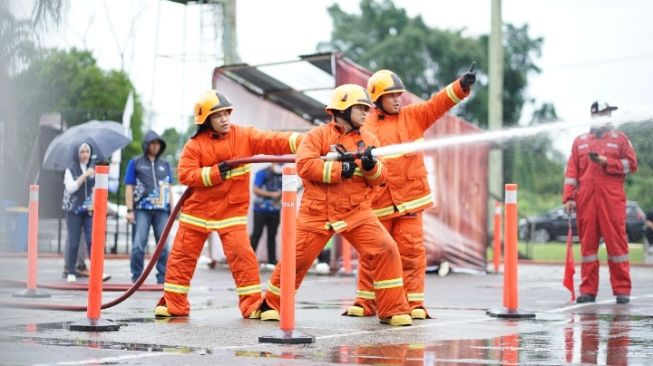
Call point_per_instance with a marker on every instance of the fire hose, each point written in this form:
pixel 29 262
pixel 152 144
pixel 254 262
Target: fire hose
pixel 337 153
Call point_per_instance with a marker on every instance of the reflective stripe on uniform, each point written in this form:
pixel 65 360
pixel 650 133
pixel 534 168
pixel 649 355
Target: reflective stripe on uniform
pixel 379 169
pixel 571 181
pixel 451 93
pixel 385 211
pixel 292 141
pixel 248 290
pixel 368 295
pixel 326 171
pixel 206 176
pixel 395 282
pixel 618 258
pixel 358 172
pixel 242 170
pixel 590 258
pixel 626 165
pixel 178 289
pixel 338 225
pixel 274 289
pixel 415 296
pixel 211 224
pixel 422 201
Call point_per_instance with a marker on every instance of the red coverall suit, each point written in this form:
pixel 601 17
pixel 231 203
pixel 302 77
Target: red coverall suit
pixel 399 204
pixel 219 205
pixel 601 206
pixel 331 203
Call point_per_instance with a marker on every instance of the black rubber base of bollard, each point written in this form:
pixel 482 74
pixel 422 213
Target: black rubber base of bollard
pixel 94 325
pixel 287 337
pixel 32 294
pixel 506 313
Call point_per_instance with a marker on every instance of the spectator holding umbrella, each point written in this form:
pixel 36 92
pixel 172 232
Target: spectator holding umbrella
pixel 79 180
pixel 73 152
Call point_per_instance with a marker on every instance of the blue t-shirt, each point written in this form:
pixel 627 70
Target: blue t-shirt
pixel 271 182
pixel 151 181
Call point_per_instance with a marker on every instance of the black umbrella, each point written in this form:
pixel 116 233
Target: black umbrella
pixel 105 137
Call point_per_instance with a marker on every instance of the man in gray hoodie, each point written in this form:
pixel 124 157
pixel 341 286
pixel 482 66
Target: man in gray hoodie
pixel 147 197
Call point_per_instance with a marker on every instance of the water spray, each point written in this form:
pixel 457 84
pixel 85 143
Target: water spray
pixel 503 135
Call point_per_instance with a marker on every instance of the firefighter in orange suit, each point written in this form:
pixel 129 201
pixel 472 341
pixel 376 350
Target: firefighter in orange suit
pixel 336 200
pixel 399 204
pixel 219 202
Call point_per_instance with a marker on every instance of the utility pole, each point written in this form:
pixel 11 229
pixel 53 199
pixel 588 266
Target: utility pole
pixel 495 102
pixel 229 43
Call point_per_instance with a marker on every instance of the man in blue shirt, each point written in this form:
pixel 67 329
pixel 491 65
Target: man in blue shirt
pixel 267 206
pixel 148 197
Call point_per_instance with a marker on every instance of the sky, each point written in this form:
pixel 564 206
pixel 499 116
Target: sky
pixel 593 49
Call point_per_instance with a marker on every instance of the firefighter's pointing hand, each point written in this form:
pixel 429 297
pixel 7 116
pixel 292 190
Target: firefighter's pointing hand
pixel 467 80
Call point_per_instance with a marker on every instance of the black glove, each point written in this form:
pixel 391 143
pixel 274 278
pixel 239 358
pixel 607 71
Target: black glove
pixel 368 161
pixel 224 169
pixel 469 78
pixel 348 168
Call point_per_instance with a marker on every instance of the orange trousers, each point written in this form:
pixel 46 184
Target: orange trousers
pixel 369 239
pixel 183 259
pixel 408 233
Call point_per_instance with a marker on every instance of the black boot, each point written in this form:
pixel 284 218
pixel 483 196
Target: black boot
pixel 623 299
pixel 585 298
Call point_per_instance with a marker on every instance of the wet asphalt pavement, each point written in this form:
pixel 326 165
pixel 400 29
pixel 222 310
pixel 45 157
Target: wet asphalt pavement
pixel 215 334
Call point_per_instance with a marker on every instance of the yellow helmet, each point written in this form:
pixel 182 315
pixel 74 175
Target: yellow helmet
pixel 347 95
pixel 208 103
pixel 384 82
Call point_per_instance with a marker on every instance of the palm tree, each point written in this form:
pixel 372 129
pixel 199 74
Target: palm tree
pixel 19 37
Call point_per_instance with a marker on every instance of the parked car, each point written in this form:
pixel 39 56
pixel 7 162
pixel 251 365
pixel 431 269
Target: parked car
pixel 553 225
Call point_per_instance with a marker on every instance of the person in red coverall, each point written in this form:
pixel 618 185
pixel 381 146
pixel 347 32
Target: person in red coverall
pixel 219 202
pixel 594 186
pixel 336 199
pixel 399 204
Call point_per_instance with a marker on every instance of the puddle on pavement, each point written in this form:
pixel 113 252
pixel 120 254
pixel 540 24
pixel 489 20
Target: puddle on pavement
pixel 585 338
pixel 142 347
pixel 581 338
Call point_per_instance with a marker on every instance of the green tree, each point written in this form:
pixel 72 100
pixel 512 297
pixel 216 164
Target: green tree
pixel 639 186
pixel 18 36
pixel 536 166
pixel 71 83
pixel 427 59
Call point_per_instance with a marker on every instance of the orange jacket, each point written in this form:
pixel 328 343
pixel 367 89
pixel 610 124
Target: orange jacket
pixel 329 201
pixel 218 204
pixel 407 189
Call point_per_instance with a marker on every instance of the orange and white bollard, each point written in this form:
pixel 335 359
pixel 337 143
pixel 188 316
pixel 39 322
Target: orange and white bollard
pixel 287 333
pixel 510 280
pixel 32 246
pixel 93 322
pixel 496 248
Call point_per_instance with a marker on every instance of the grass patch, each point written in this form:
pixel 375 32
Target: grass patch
pixel 555 251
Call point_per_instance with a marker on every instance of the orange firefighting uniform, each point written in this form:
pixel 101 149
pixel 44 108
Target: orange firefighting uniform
pixel 219 205
pixel 331 204
pixel 601 206
pixel 399 204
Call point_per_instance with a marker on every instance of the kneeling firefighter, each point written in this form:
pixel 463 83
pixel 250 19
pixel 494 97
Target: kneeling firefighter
pixel 219 202
pixel 336 200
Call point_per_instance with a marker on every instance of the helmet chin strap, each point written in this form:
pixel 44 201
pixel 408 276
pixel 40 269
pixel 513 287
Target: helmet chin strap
pixel 379 105
pixel 346 116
